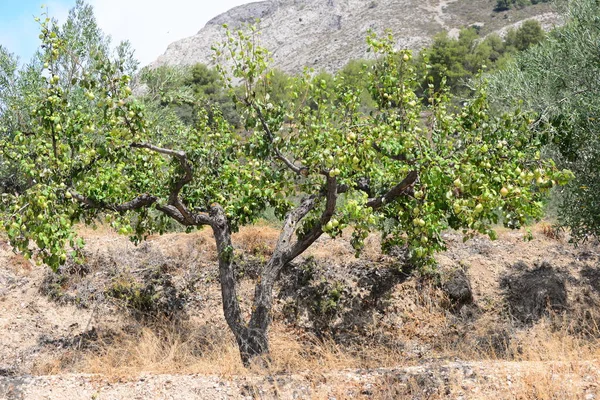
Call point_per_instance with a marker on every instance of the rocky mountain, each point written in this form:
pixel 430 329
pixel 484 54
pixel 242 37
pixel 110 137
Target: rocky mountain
pixel 325 34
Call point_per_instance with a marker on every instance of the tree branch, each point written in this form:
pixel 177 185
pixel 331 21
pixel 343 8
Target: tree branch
pixel 293 167
pixel 143 200
pixel 174 200
pixel 174 208
pixel 181 156
pixel 146 200
pixel 285 251
pixel 185 218
pixel 331 201
pixel 290 224
pixel 395 192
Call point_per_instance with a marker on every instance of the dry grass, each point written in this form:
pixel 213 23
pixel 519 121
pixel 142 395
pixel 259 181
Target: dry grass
pixel 550 381
pixel 551 339
pixel 19 265
pixel 165 352
pixel 557 383
pixel 257 240
pixel 208 351
pixel 195 348
pixel 16 263
pixel 172 351
pixel 548 360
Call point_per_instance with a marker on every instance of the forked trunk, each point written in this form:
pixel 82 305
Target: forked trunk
pixel 252 337
pixel 253 344
pixel 253 340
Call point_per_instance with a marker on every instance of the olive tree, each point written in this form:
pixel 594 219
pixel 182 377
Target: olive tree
pixel 8 68
pixel 560 80
pixel 407 170
pixel 15 85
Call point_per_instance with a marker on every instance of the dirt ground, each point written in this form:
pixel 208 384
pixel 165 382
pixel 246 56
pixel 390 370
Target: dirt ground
pixel 510 319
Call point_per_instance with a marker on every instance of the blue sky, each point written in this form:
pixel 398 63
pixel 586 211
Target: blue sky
pixel 18 30
pixel 150 25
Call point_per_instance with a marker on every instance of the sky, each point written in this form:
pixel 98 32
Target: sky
pixel 150 25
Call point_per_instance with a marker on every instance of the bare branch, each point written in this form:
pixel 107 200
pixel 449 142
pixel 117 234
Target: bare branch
pixel 181 156
pixel 174 208
pixel 20 210
pixel 143 200
pixel 293 167
pixel 174 199
pixel 291 221
pixel 185 218
pixel 169 152
pixel 331 201
pixel 395 192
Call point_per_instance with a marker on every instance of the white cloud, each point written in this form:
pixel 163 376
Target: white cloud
pixel 152 25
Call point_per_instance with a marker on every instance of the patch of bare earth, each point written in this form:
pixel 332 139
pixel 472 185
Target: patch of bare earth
pixel 509 319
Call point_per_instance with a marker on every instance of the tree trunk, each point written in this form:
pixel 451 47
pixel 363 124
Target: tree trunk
pixel 263 294
pixel 253 344
pixel 247 341
pixel 252 338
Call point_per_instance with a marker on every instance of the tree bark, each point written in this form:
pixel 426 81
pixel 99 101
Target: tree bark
pixel 252 339
pixel 286 250
pixel 263 296
pixel 253 345
pixel 231 305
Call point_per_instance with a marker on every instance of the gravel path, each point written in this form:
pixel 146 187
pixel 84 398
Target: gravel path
pixel 458 380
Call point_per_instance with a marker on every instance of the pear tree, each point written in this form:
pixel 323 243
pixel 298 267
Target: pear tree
pixel 407 170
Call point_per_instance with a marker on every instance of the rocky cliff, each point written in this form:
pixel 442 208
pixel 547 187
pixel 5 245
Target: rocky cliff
pixel 325 34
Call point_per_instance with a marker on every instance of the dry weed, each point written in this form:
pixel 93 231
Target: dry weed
pixel 544 343
pixel 257 240
pixel 57 364
pixel 167 350
pixel 15 263
pixel 19 265
pixel 558 346
pixel 545 385
pixel 551 231
pixel 499 380
pixel 549 340
pixel 172 350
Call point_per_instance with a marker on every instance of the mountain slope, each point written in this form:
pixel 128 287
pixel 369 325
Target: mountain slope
pixel 325 34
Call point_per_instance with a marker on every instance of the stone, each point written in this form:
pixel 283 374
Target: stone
pixel 458 288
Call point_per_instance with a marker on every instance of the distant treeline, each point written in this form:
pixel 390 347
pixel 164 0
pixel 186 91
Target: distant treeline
pixel 449 62
pixel 503 5
pixel 460 59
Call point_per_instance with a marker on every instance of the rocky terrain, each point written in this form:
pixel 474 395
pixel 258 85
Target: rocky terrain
pixel 457 380
pixel 510 319
pixel 326 34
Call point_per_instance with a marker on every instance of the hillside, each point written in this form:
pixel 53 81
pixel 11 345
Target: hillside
pixel 326 34
pixel 509 319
